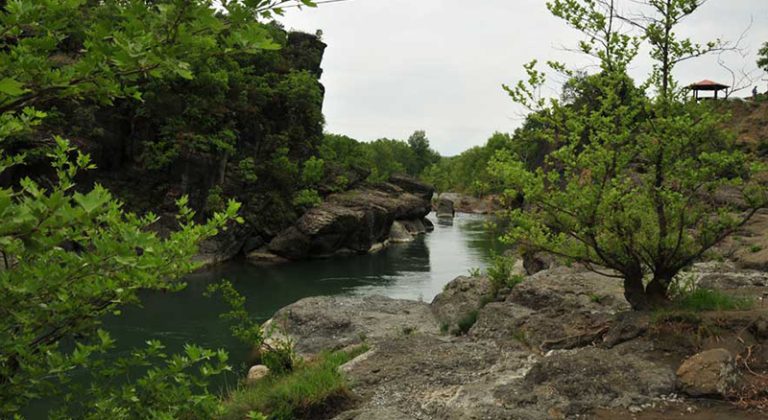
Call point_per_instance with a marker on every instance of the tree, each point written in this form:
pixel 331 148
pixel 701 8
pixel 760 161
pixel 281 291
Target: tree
pixel 627 188
pixel 69 257
pixel 762 57
pixel 425 156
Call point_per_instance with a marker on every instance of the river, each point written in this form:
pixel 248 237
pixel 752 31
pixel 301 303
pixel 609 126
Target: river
pixel 417 270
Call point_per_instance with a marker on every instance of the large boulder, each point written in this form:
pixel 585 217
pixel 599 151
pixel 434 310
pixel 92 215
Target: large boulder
pixel 334 322
pixel 355 221
pixel 560 308
pixel 444 208
pixel 709 373
pixel 417 188
pixel 575 382
pixel 570 289
pixel 461 299
pixel 426 376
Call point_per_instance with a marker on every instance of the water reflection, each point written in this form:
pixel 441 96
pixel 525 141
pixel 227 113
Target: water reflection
pixel 416 270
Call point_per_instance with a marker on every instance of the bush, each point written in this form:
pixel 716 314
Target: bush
pixel 306 390
pixel 501 273
pixel 466 322
pixel 307 198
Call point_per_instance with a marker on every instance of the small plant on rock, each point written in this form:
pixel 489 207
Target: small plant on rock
pixel 466 322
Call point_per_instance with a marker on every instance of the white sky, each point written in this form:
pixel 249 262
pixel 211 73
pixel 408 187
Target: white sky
pixel 395 66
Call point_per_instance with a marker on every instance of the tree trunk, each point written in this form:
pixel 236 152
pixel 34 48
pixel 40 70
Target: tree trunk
pixel 656 291
pixel 634 292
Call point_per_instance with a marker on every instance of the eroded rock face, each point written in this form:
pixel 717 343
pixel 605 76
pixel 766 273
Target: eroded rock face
pixel 354 222
pixel 709 373
pixel 399 233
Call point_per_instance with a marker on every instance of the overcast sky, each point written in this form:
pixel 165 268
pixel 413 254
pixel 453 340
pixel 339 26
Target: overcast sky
pixel 395 66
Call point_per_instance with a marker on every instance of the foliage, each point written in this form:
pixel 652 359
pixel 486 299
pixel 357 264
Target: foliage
pixel 69 259
pixel 276 354
pixel 383 157
pixel 313 171
pixel 423 154
pixel 72 255
pixel 297 393
pixel 475 272
pixel 469 171
pixel 165 386
pixel 466 322
pixel 501 273
pixel 762 60
pixel 307 198
pixel 629 180
pixel 241 323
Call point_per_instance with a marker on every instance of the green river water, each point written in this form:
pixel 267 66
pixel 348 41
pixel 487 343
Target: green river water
pixel 417 270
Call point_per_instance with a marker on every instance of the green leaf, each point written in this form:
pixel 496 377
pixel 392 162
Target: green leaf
pixel 12 87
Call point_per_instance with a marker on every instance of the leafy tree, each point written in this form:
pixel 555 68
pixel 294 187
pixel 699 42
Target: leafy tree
pixel 71 257
pixel 424 155
pixel 627 188
pixel 762 57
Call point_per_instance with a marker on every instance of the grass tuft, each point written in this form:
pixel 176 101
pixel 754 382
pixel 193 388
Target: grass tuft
pixel 310 389
pixel 711 300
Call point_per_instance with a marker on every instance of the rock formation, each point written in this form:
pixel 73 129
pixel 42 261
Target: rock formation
pixel 561 344
pixel 354 222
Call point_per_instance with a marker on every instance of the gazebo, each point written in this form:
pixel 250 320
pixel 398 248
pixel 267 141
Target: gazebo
pixel 709 86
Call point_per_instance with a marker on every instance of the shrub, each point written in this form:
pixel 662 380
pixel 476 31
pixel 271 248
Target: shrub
pixel 501 273
pixel 466 322
pixel 307 198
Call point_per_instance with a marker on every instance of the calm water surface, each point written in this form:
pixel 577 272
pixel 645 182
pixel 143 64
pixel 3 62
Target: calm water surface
pixel 416 270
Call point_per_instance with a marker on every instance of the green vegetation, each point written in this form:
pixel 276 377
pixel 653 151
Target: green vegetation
pixel 313 387
pixel 72 253
pixel 466 322
pixel 469 171
pixel 625 183
pixel 379 159
pixel 501 273
pixel 711 300
pixel 762 57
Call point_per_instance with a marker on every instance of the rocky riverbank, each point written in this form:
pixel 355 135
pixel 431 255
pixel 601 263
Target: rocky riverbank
pixel 362 220
pixel 561 344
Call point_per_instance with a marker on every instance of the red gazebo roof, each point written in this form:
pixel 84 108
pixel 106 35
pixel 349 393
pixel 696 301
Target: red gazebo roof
pixel 707 85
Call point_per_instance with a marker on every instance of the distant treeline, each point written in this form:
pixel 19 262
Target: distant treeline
pixel 380 159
